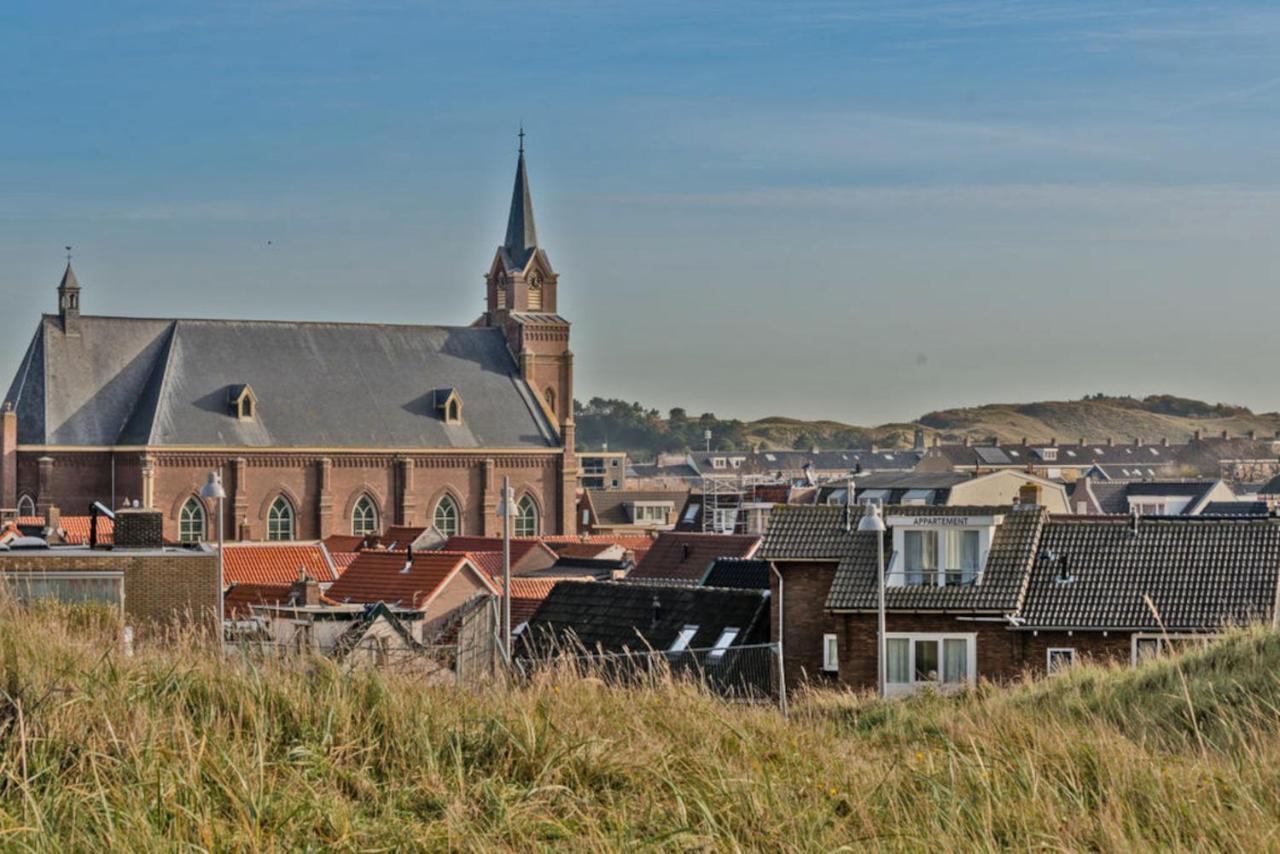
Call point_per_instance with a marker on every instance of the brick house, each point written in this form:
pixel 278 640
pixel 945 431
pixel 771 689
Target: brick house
pixel 317 428
pixel 994 591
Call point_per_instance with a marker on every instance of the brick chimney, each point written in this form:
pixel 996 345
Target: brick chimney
pixel 1110 441
pixel 139 528
pixel 1164 441
pixel 1224 434
pixel 1053 442
pixel 305 591
pixel 53 524
pixel 1195 437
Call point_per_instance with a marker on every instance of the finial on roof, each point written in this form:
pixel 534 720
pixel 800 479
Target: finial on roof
pixel 520 134
pixel 68 254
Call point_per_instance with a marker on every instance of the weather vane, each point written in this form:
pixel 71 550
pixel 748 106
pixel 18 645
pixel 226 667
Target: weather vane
pixel 68 254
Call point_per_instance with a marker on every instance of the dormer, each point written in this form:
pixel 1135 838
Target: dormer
pixel 242 402
pixel 449 405
pixel 940 551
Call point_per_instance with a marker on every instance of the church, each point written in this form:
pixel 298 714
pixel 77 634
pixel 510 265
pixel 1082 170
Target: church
pixel 317 428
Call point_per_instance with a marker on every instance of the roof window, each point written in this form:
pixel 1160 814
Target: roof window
pixel 722 643
pixel 681 643
pixel 449 405
pixel 242 401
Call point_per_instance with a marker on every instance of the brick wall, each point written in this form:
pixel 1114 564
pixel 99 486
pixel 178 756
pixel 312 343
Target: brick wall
pixel 1112 646
pixel 804 621
pixel 999 651
pixel 159 587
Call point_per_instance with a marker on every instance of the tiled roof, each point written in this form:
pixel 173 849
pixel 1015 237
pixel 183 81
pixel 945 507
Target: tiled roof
pixel 378 576
pixel 239 598
pixel 819 533
pixel 738 573
pixel 276 563
pixel 637 544
pixel 527 595
pixel 1236 508
pixel 611 505
pixel 342 560
pixel 76 528
pixel 1201 573
pixel 343 543
pixel 1071 455
pixel 686 556
pixel 583 550
pixel 520 546
pixel 614 617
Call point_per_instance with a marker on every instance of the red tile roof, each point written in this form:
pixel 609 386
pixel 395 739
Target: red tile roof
pixel 342 560
pixel 400 536
pixel 637 544
pixel 520 546
pixel 687 556
pixel 77 528
pixel 343 543
pixel 276 563
pixel 237 600
pixel 377 576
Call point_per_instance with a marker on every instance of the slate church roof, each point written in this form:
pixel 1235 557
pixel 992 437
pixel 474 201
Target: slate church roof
pixel 129 381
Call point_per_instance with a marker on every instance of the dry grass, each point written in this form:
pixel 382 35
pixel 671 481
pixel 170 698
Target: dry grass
pixel 176 749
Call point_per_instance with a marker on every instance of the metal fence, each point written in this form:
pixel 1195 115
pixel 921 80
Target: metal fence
pixel 749 674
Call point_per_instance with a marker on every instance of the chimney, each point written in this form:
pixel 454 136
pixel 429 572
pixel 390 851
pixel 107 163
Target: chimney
pixel 1137 441
pixel 874 448
pixel 53 523
pixel 1083 442
pixel 1053 442
pixel 1110 441
pixel 1024 444
pixel 139 528
pixel 8 457
pixel 917 443
pixel 1195 437
pixel 1252 434
pixel 1164 441
pixel 1224 434
pixel 966 441
pixel 305 591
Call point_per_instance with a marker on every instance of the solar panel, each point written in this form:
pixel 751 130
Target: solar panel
pixel 993 456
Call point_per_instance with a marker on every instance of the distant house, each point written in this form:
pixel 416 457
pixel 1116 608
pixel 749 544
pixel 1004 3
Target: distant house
pixel 991 592
pixel 1151 498
pixel 1056 461
pixel 946 488
pixel 685 557
pixel 629 512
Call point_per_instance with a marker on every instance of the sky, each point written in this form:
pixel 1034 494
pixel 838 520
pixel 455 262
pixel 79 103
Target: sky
pixel 858 211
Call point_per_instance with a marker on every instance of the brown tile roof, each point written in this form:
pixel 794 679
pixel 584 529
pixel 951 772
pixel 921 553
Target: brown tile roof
pixel 610 506
pixel 637 544
pixel 520 546
pixel 378 576
pixel 527 595
pixel 276 563
pixel 76 528
pixel 343 543
pixel 239 598
pixel 686 556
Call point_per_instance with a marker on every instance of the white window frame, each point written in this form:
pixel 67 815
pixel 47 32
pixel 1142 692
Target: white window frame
pixel 526 522
pixel 26 506
pixel 1048 657
pixel 830 653
pixel 365 511
pixel 724 520
pixel 453 516
pixel 282 524
pixel 896 572
pixel 1160 639
pixel 681 643
pixel 971 660
pixel 651 512
pixel 193 522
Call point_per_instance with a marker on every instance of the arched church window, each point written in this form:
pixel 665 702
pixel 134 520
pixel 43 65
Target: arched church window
pixel 364 517
pixel 191 521
pixel 26 506
pixel 280 520
pixel 446 516
pixel 550 396
pixel 526 523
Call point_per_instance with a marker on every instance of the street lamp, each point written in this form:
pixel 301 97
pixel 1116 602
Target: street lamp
pixel 872 523
pixel 212 489
pixel 506 508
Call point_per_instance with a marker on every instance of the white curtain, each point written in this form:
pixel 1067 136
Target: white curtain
pixel 955 654
pixel 897 664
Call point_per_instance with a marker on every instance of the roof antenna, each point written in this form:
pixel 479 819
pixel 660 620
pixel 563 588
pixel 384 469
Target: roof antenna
pixel 521 135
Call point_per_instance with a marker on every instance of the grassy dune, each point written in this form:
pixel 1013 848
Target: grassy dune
pixel 175 749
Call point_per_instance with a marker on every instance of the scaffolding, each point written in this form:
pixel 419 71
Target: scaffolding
pixel 726 500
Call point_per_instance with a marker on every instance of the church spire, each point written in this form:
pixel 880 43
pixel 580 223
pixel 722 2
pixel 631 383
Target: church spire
pixel 69 295
pixel 522 234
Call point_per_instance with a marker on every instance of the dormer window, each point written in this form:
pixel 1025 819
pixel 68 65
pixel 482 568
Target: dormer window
pixel 449 405
pixel 651 512
pixel 939 551
pixel 1049 454
pixel 243 402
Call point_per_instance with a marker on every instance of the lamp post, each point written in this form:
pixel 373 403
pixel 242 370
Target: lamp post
pixel 872 522
pixel 213 489
pixel 505 509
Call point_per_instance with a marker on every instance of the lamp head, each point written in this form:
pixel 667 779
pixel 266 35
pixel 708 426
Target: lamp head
pixel 213 487
pixel 871 521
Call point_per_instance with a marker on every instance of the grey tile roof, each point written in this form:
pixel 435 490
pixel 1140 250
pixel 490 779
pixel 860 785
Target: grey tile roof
pixel 1070 455
pixel 1236 508
pixel 792 462
pixel 738 573
pixel 164 382
pixel 614 617
pixel 1201 573
pixel 611 505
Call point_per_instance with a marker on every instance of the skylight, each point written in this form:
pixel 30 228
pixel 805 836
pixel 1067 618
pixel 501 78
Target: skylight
pixel 722 643
pixel 681 642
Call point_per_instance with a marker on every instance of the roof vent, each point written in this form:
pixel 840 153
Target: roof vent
pixel 685 551
pixel 657 610
pixel 408 560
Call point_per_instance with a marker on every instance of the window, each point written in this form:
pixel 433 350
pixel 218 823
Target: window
pixel 724 520
pixel 1147 647
pixel 951 558
pixel 246 407
pixel 1059 659
pixel 656 514
pixel 550 396
pixel 945 661
pixel 722 643
pixel 364 517
pixel 535 293
pixel 26 506
pixel 454 416
pixel 830 657
pixel 1048 454
pixel 446 516
pixel 280 520
pixel 718 463
pixel 105 588
pixel 526 518
pixel 191 526
pixel 681 643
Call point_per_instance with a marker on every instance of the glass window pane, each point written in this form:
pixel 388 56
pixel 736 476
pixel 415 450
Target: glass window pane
pixel 955 660
pixel 926 661
pixel 897 664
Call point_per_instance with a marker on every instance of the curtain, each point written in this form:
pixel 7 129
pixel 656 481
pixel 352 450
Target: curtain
pixel 897 666
pixel 961 557
pixel 955 654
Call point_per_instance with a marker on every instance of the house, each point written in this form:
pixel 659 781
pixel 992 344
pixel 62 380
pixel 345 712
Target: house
pixel 992 592
pixel 813 466
pixel 317 428
pixel 732 506
pixel 630 512
pixel 432 583
pixel 737 573
pixel 527 555
pixel 609 617
pixel 270 574
pixel 1150 498
pixel 1005 486
pixel 602 470
pixel 153 584
pixel 684 557
pixel 1056 461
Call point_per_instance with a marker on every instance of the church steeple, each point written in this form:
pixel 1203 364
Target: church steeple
pixel 522 234
pixel 69 298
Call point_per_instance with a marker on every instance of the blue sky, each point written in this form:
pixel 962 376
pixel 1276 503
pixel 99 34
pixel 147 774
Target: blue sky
pixel 860 211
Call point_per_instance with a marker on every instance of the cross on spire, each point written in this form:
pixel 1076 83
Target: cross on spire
pixel 521 135
pixel 68 254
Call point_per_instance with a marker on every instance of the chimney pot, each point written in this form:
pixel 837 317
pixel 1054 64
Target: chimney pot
pixel 1137 441
pixel 1110 441
pixel 1196 436
pixel 1164 441
pixel 1053 442
pixel 1082 442
pixel 1253 434
pixel 1224 434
